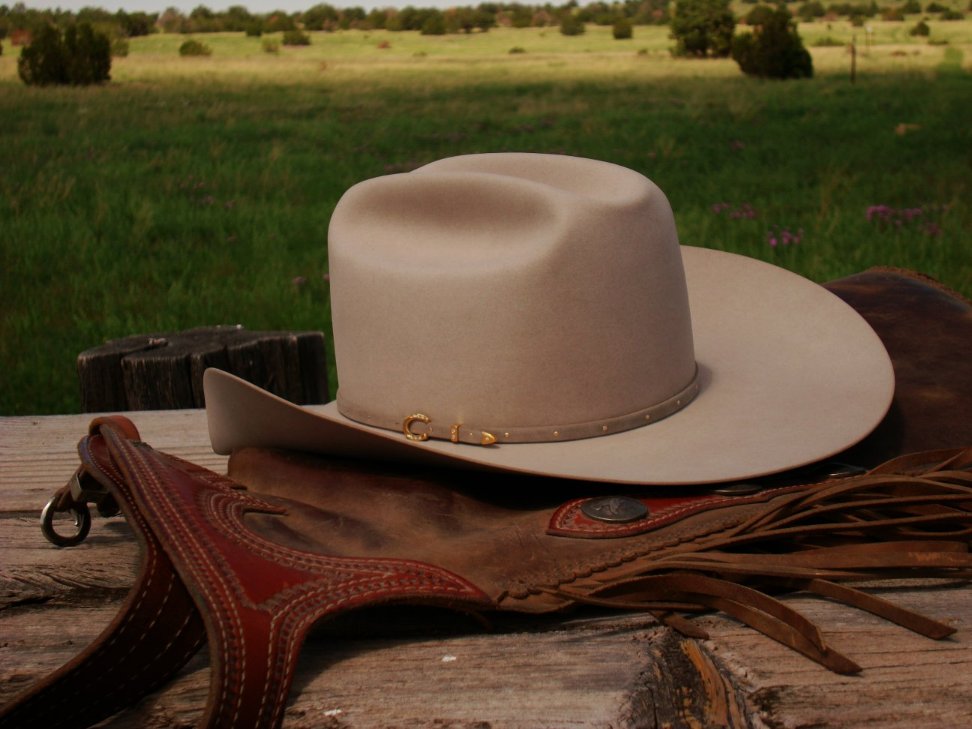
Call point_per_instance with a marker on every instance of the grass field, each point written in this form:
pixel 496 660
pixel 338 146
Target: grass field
pixel 198 191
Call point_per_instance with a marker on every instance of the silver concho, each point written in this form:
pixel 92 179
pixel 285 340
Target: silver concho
pixel 616 509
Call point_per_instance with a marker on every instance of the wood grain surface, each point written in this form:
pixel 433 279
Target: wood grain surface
pixel 424 669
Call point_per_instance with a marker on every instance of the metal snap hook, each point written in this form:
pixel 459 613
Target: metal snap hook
pixel 82 524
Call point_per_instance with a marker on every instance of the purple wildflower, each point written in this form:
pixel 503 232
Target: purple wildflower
pixel 778 236
pixel 735 212
pixel 885 216
pixel 744 211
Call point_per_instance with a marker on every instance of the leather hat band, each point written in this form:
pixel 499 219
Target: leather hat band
pixel 418 426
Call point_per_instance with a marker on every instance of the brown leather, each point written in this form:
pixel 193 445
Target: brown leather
pixel 254 558
pixel 927 330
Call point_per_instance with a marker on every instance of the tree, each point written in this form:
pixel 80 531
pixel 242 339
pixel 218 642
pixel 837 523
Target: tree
pixel 78 57
pixel 352 17
pixel 702 28
pixel 135 24
pixel 320 17
pixel 237 18
pixel 434 24
pixel 774 50
pixel 759 15
pixel 172 21
pixel 810 10
pixel 278 21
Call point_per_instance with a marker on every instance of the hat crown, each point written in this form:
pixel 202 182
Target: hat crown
pixel 515 291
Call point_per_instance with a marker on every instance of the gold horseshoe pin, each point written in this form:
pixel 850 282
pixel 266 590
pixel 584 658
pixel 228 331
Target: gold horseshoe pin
pixel 407 426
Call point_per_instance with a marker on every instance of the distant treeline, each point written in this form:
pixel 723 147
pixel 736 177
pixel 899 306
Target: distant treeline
pixel 328 17
pixel 19 22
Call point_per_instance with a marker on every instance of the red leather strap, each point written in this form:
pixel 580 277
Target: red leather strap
pixel 206 575
pixel 257 597
pixel 154 633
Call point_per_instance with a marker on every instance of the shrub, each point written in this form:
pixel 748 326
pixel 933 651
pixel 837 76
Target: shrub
pixel 703 28
pixel 921 28
pixel 296 38
pixel 79 57
pixel 517 49
pixel 193 47
pixel 254 29
pixel 570 24
pixel 952 15
pixel 934 7
pixel 775 50
pixel 270 46
pixel 622 29
pixel 911 7
pixel 119 48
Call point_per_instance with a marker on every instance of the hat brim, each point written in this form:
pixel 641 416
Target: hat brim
pixel 790 375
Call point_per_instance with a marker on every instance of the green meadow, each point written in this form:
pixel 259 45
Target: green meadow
pixel 194 191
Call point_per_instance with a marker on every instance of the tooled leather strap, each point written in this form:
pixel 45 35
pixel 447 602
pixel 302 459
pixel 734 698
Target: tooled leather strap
pixel 155 632
pixel 256 599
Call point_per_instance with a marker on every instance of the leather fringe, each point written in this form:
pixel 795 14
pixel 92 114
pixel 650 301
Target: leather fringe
pixel 910 518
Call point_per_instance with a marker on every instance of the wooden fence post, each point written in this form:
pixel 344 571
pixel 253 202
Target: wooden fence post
pixel 164 371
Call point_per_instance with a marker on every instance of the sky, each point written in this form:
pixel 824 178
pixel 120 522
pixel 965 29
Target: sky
pixel 254 6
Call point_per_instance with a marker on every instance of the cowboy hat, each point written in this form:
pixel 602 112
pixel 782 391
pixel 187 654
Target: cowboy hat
pixel 536 313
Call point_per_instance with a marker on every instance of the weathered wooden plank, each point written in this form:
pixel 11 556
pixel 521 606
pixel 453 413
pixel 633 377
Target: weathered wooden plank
pixel 33 570
pixel 908 681
pixel 39 454
pixel 581 674
pixel 618 671
pixel 607 672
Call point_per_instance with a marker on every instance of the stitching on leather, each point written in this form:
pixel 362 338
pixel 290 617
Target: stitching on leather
pixel 560 522
pixel 83 681
pixel 678 534
pixel 289 611
pixel 176 636
pixel 221 606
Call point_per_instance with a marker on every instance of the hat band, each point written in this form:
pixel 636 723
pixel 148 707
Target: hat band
pixel 420 427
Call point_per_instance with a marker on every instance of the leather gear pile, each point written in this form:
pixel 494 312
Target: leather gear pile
pixel 251 560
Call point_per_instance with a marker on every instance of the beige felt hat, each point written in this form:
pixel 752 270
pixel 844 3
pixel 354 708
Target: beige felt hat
pixel 536 313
